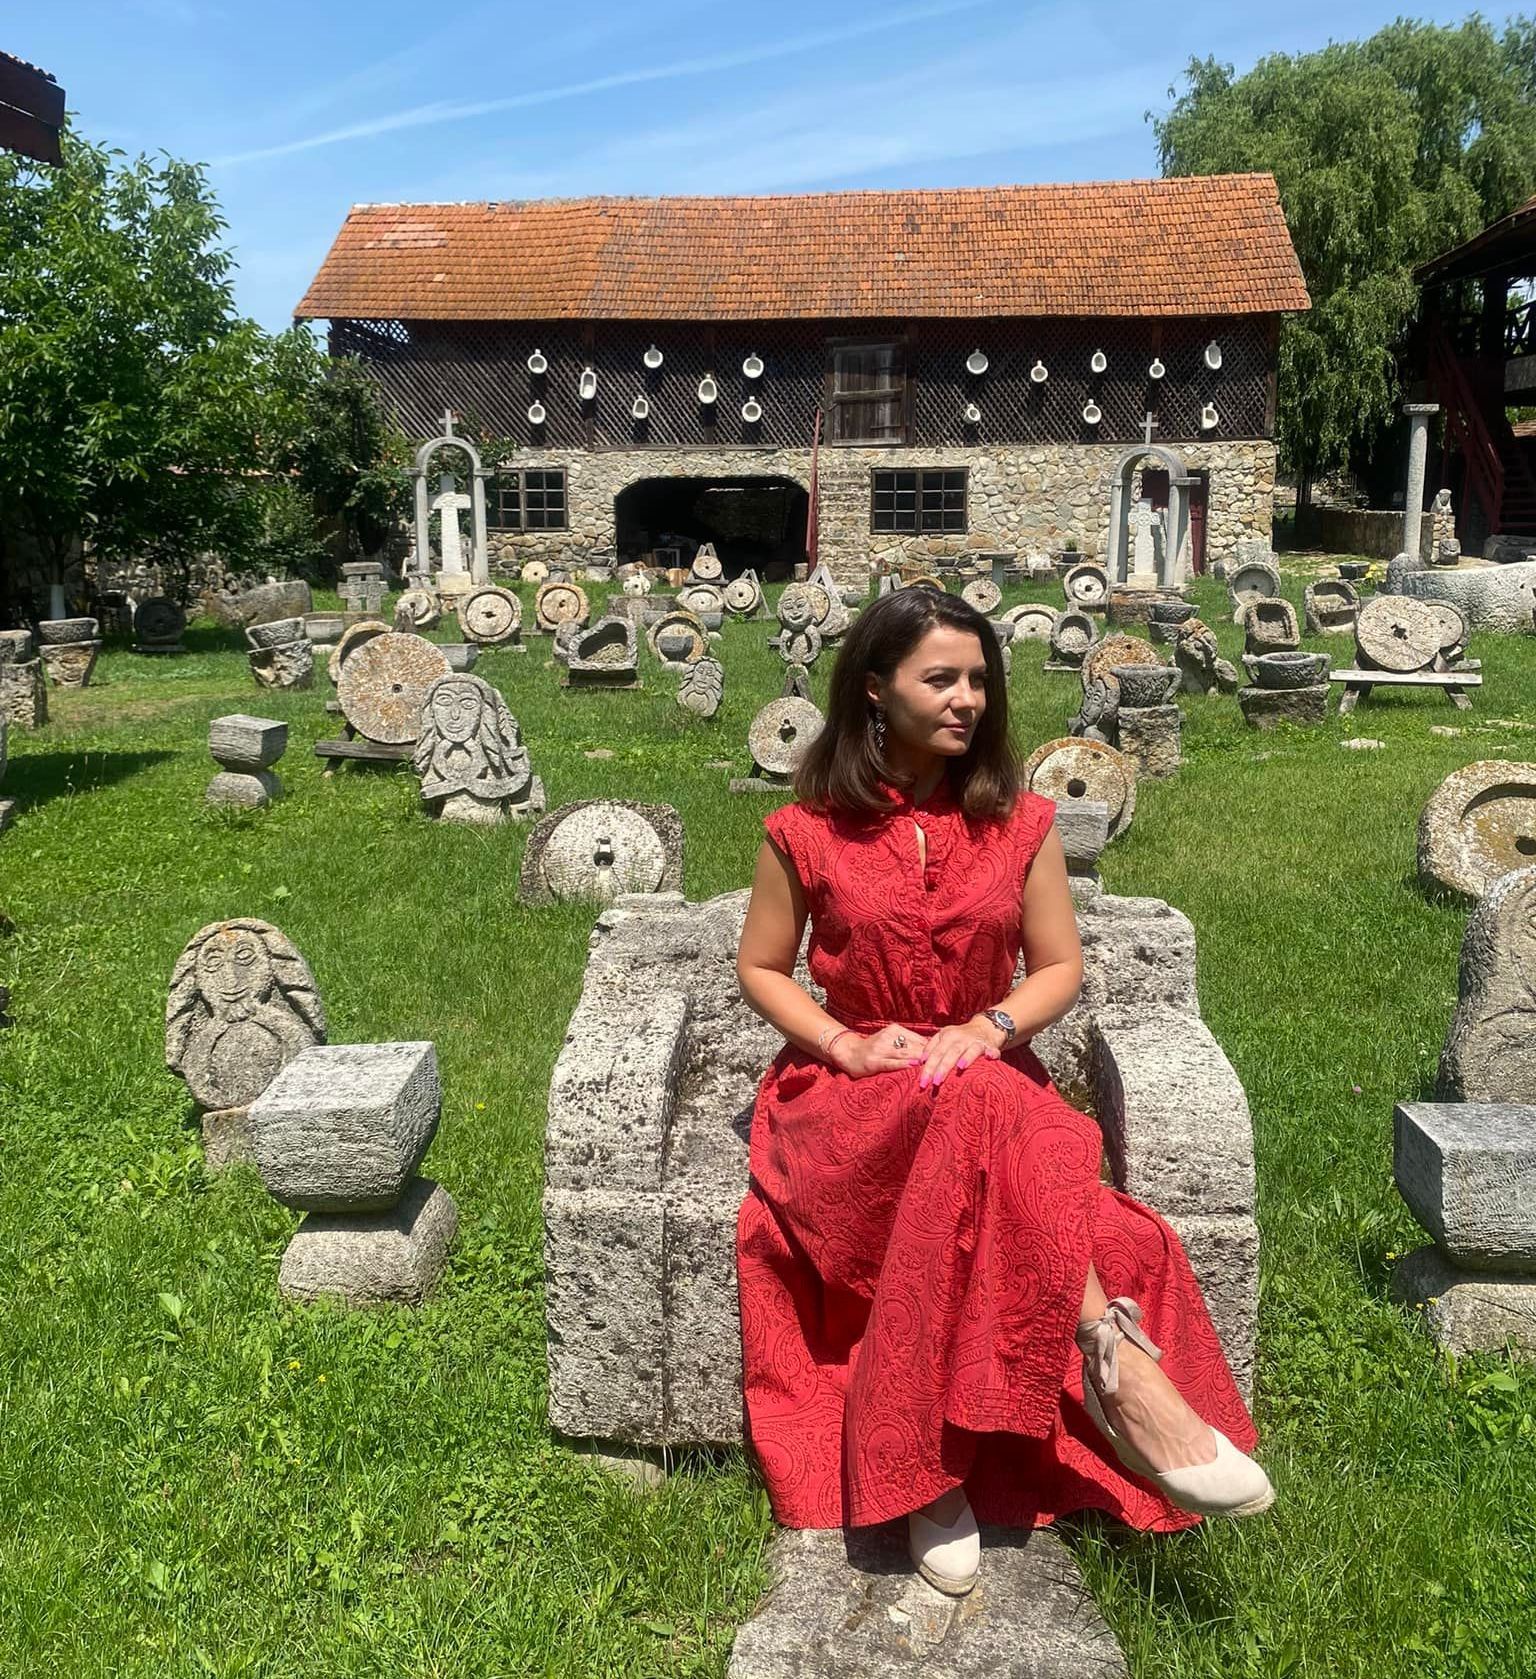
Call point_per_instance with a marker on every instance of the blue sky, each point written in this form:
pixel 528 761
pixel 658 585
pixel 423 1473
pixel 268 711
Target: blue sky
pixel 301 110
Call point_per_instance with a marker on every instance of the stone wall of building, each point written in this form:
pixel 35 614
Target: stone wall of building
pixel 1029 497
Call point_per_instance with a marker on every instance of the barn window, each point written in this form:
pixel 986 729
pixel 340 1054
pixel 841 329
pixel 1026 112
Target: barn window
pixel 920 499
pixel 533 500
pixel 868 394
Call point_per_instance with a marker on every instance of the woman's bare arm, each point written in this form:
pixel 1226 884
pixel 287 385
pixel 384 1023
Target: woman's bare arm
pixel 1053 953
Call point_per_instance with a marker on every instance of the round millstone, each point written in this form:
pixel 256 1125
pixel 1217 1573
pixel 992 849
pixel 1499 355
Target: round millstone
pixel 780 733
pixel 384 682
pixel 560 603
pixel 1086 584
pixel 534 572
pixel 801 646
pixel 706 567
pixel 742 596
pixel 678 638
pixel 600 851
pixel 421 607
pixel 1069 769
pixel 490 616
pixel 1398 632
pixel 802 604
pixel 700 598
pixel 1118 650
pixel 1253 580
pixel 983 594
pixel 350 641
pixel 159 619
pixel 1033 621
pixel 1479 823
pixel 1453 625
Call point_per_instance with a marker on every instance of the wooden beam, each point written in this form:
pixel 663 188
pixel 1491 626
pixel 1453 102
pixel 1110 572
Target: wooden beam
pixel 28 136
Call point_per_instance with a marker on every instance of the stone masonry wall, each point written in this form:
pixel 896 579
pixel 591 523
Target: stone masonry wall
pixel 1030 497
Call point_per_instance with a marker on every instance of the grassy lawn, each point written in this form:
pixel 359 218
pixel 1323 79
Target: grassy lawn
pixel 199 1479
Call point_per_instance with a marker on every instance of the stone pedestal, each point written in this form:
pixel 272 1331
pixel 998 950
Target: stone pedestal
pixel 1152 735
pixel 1468 1311
pixel 1264 707
pixel 245 748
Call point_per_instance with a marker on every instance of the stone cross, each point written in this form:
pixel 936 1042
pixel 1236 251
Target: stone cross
pixel 1141 520
pixel 1148 426
pixel 447 503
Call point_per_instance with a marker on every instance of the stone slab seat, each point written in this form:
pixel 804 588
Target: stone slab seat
pixel 646 1151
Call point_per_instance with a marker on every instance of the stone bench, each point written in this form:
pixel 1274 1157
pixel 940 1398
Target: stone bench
pixel 646 1151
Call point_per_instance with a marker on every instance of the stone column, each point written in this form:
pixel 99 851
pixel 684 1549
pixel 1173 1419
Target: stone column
pixel 1413 500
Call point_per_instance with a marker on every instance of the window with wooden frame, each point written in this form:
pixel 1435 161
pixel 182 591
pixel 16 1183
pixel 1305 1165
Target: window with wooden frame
pixel 867 393
pixel 918 499
pixel 530 500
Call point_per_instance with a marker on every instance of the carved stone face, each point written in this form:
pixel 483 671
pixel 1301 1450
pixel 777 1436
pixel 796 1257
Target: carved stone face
pixel 234 971
pixel 456 709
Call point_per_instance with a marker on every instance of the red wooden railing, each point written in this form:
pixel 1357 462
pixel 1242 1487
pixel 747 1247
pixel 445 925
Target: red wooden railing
pixel 1464 422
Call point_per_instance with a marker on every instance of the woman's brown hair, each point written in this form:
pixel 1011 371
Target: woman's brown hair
pixel 842 768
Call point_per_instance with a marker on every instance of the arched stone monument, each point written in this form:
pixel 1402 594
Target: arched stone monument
pixel 462 578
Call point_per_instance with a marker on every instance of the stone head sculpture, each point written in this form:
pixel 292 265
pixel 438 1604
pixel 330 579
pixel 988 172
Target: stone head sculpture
pixel 470 743
pixel 242 1004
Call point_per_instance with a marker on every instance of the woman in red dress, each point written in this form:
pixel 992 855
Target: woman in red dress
pixel 925 1245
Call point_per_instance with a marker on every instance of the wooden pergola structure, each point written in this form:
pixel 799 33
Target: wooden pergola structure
pixel 31 110
pixel 1477 354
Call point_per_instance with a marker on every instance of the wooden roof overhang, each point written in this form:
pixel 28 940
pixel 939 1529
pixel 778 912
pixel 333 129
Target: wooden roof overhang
pixel 1505 249
pixel 31 110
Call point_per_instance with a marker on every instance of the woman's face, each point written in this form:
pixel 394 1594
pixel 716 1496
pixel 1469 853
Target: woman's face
pixel 934 698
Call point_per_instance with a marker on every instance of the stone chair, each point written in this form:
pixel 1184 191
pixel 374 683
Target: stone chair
pixel 646 1150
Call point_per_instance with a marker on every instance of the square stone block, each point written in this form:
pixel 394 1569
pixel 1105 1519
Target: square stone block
pixel 1152 735
pixel 1264 707
pixel 343 1127
pixel 240 791
pixel 240 742
pixel 1468 1173
pixel 389 1258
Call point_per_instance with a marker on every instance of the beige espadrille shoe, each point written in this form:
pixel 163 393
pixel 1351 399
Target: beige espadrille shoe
pixel 1231 1485
pixel 948 1558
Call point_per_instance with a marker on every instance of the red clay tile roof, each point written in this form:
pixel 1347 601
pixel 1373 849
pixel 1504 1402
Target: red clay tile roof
pixel 1194 245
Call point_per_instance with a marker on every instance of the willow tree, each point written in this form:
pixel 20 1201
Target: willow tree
pixel 1386 151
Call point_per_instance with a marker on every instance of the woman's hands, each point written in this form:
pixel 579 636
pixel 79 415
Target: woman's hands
pixel 954 1048
pixel 878 1053
pixel 950 1049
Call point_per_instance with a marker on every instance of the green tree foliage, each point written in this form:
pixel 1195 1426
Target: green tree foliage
pixel 1386 151
pixel 139 414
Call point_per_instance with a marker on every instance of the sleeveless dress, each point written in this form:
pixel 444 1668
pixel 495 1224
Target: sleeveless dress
pixel 911 1263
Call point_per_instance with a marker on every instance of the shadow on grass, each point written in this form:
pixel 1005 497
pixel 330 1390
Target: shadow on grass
pixel 41 776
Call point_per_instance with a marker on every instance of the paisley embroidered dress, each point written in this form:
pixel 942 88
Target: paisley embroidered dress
pixel 911 1263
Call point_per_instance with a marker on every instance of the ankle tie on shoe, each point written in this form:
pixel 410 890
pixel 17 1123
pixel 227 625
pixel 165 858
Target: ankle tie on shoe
pixel 1099 1339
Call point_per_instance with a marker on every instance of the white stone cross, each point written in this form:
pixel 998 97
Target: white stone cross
pixel 447 503
pixel 1147 427
pixel 447 422
pixel 1142 519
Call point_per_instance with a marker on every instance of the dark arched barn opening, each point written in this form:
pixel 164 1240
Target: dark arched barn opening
pixel 756 522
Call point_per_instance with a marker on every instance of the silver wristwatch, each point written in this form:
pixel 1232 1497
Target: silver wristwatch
pixel 1003 1021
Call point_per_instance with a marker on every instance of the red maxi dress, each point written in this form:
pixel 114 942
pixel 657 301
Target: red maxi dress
pixel 911 1263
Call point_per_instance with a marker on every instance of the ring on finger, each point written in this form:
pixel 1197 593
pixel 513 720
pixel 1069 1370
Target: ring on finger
pixel 900 1040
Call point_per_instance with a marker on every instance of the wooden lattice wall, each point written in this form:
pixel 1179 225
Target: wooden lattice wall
pixel 480 370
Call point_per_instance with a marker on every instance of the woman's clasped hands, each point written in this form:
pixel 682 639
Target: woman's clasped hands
pixel 895 1048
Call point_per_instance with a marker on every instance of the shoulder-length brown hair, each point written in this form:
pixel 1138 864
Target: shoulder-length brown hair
pixel 842 768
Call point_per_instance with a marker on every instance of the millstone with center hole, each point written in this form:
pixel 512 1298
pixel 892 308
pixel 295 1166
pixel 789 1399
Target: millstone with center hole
pixel 560 603
pixel 1086 584
pixel 983 594
pixel 1115 650
pixel 1033 621
pixel 780 733
pixel 1069 769
pixel 802 604
pixel 535 572
pixel 678 638
pixel 706 565
pixel 743 595
pixel 159 619
pixel 1478 824
pixel 383 684
pixel 600 851
pixel 490 616
pixel 702 598
pixel 1398 632
pixel 421 607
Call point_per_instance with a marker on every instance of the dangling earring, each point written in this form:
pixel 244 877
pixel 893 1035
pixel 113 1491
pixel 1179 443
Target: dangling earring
pixel 878 724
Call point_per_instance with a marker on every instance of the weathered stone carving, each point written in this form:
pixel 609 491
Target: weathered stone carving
pixel 702 687
pixel 1072 634
pixel 264 604
pixel 678 638
pixel 1331 606
pixel 802 605
pixel 158 626
pixel 470 754
pixel 1198 655
pixel 1116 650
pixel 242 1004
pixel 1269 625
pixel 598 848
pixel 605 656
pixel 352 637
pixel 1395 632
pixel 1500 599
pixel 245 749
pixel 492 617
pixel 1070 769
pixel 983 594
pixel 799 646
pixel 1086 586
pixel 778 737
pixel 384 682
pixel 1253 577
pixel 1033 621
pixel 744 596
pixel 560 603
pixel 423 610
pixel 705 601
pixel 1490 1049
pixel 282 656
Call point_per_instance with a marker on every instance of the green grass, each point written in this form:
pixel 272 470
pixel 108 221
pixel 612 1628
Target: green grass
pixel 199 1479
